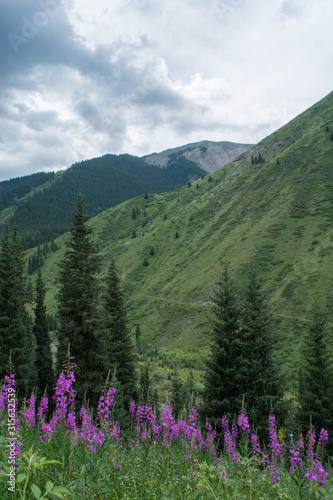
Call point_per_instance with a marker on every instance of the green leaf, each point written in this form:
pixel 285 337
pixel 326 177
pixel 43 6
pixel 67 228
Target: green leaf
pixel 62 489
pixel 36 491
pixel 20 477
pixel 49 486
pixel 48 462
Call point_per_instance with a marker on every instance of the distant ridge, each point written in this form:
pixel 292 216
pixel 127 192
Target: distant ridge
pixel 209 155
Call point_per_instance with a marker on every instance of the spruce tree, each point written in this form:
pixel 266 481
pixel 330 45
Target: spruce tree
pixel 222 395
pixel 43 360
pixel 79 314
pixel 259 381
pixel 119 345
pixel 316 377
pixel 15 324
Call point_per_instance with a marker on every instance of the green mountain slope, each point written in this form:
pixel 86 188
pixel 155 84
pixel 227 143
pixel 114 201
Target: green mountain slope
pixel 277 215
pixel 42 213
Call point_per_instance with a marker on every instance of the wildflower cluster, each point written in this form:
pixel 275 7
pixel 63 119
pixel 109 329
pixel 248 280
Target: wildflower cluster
pixel 304 459
pixel 185 432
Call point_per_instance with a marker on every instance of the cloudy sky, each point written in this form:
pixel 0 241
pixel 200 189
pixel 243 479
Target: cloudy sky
pixel 79 79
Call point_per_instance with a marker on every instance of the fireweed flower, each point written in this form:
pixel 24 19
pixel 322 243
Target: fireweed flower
pixel 243 423
pixel 88 432
pixel 274 445
pixel 42 409
pixel 104 406
pixel 193 419
pixel 311 443
pixel 29 413
pixel 224 424
pixel 64 394
pixel 234 432
pixel 322 443
pixel 295 462
pixel 9 383
pixel 132 408
pixel 211 435
pixel 230 445
pixel 317 473
pixel 255 444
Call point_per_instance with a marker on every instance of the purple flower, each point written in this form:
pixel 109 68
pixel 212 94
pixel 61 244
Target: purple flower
pixel 311 443
pixel 104 406
pixel 193 419
pixel 42 409
pixel 7 388
pixel 275 447
pixel 132 408
pixel 243 423
pixel 255 444
pixel 29 412
pixel 295 461
pixel 323 442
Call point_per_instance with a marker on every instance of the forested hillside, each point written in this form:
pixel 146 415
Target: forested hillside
pixel 43 214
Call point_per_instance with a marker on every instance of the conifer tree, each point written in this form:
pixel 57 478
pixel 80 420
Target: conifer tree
pixel 221 394
pixel 79 314
pixel 43 360
pixel 15 324
pixel 119 345
pixel 258 378
pixel 316 377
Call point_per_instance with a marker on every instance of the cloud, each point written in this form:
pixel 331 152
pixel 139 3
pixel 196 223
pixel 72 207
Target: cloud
pixel 134 76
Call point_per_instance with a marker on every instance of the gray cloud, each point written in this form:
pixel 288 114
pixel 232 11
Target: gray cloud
pixel 78 80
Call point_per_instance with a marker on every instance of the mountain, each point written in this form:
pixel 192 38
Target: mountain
pixel 41 204
pixel 208 154
pixel 272 207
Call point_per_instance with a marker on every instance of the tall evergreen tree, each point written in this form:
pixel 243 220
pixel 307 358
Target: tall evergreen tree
pixel 43 360
pixel 222 395
pixel 15 324
pixel 259 381
pixel 79 315
pixel 119 345
pixel 316 377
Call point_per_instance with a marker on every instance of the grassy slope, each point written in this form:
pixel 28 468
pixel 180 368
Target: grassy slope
pixel 276 216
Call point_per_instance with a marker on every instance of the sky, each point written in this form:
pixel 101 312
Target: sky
pixel 79 79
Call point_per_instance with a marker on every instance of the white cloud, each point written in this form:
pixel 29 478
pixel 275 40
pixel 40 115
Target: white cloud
pixel 139 76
